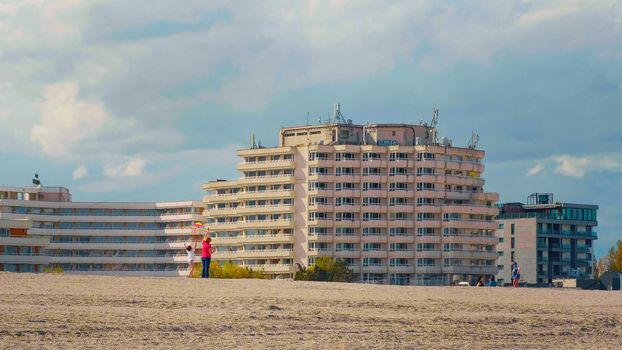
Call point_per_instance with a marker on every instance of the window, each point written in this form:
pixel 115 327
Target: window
pixel 371 201
pixel 398 201
pixel 501 226
pixel 372 231
pixel 512 229
pixel 371 156
pixel 513 243
pixel 372 216
pixel 345 231
pixel 371 186
pixel 339 201
pixel 398 186
pixel 344 186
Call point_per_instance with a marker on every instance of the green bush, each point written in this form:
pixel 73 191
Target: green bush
pixel 229 270
pixel 327 270
pixel 56 269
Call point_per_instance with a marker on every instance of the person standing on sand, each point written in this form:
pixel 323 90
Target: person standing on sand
pixel 515 274
pixel 190 251
pixel 206 255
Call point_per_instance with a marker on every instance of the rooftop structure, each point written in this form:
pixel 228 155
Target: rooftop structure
pixel 547 239
pixel 391 200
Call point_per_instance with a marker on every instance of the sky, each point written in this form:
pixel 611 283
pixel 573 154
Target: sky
pixel 123 101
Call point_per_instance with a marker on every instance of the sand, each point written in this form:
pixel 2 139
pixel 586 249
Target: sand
pixel 63 311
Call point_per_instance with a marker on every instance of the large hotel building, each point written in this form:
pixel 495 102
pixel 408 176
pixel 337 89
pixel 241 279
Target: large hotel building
pixel 41 227
pixel 395 204
pixel 548 239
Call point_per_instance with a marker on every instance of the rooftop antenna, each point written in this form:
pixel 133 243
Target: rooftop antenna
pixel 473 141
pixel 338 116
pixel 434 118
pixel 252 142
pixel 433 124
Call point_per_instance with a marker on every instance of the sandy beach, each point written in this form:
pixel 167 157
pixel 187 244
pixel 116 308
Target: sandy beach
pixel 57 311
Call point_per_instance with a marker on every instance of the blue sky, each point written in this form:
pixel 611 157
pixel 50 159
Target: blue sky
pixel 122 102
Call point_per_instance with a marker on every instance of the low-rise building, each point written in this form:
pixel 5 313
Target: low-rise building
pixel 547 239
pixel 116 238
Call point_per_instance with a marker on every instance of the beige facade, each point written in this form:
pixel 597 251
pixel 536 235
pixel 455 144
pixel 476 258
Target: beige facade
pixel 398 207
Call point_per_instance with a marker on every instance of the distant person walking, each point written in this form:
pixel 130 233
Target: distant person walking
pixel 492 282
pixel 515 274
pixel 190 249
pixel 206 255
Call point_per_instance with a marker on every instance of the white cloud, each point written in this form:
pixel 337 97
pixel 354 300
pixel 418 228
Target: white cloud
pixel 80 172
pixel 66 120
pixel 536 169
pixel 568 165
pixel 128 168
pixel 103 97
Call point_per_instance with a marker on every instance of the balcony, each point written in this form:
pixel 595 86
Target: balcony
pixel 277 238
pixel 319 252
pixel 471 239
pixel 267 180
pixel 406 254
pixel 401 238
pixel 348 254
pixel 219 198
pixel 268 224
pixel 434 254
pixel 273 268
pixel 471 270
pixel 475 209
pixel 470 224
pixel 401 223
pixel 267 165
pixel 428 269
pixel 373 239
pixel 221 226
pixel 404 208
pixel 267 209
pixel 374 178
pixel 470 254
pixel 276 194
pixel 430 193
pixel 428 239
pixel 374 268
pixel 374 253
pixel 320 237
pixel 401 269
pixel 266 253
pixel 321 162
pixel 459 195
pixel 354 238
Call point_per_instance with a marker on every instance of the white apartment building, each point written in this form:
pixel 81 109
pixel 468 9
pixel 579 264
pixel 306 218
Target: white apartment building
pixel 395 204
pixel 94 237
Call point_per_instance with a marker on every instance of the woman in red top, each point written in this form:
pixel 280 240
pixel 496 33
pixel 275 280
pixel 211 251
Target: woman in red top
pixel 206 255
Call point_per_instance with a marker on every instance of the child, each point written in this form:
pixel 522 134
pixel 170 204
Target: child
pixel 190 251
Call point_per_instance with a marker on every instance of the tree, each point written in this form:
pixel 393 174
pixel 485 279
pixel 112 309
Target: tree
pixel 325 269
pixel 614 257
pixel 600 267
